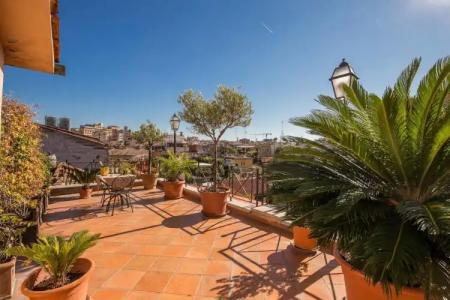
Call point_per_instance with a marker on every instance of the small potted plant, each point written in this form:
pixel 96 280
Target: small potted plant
pixel 63 274
pixel 175 168
pixel 383 160
pixel 282 194
pixel 85 178
pixel 104 170
pixel 149 134
pixel 228 109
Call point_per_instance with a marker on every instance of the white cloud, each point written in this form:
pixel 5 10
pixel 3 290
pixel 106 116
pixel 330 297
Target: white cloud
pixel 432 3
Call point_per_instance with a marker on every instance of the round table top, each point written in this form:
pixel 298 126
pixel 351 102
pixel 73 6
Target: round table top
pixel 110 179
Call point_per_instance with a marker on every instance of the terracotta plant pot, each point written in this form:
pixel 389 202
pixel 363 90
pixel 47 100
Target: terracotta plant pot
pixel 76 290
pixel 7 277
pixel 302 239
pixel 173 189
pixel 149 181
pixel 358 287
pixel 85 193
pixel 214 203
pixel 104 171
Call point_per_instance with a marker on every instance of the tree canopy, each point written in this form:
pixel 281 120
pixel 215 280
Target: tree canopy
pixel 148 134
pixel 229 108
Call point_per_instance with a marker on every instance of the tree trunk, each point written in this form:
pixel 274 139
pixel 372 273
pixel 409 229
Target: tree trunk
pixel 150 158
pixel 215 168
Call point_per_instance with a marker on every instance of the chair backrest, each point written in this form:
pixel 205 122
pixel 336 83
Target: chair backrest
pixel 122 182
pixel 131 183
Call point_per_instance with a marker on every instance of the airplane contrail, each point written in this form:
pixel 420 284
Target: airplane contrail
pixel 267 28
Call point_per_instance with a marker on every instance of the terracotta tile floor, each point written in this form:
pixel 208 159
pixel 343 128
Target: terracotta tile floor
pixel 169 250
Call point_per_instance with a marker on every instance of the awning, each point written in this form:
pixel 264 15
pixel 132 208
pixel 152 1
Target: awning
pixel 29 34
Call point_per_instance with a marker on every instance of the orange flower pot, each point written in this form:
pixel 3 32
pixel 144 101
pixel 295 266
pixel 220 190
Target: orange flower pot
pixel 85 193
pixel 358 287
pixel 76 290
pixel 104 171
pixel 149 181
pixel 173 189
pixel 214 203
pixel 302 239
pixel 7 277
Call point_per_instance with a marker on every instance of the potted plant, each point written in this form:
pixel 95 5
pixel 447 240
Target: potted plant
pixel 384 163
pixel 149 134
pixel 175 168
pixel 284 195
pixel 63 274
pixel 104 170
pixel 84 177
pixel 11 229
pixel 228 109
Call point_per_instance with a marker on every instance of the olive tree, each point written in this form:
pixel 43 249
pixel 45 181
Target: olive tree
pixel 148 134
pixel 229 108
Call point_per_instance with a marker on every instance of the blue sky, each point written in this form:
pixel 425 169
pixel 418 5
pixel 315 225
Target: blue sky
pixel 127 61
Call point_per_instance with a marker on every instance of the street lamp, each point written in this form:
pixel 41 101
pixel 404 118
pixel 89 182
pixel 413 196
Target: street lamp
pixel 175 124
pixel 342 74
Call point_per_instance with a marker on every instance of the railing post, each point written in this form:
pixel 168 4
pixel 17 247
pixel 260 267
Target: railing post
pixel 251 187
pixel 263 184
pixel 232 184
pixel 257 186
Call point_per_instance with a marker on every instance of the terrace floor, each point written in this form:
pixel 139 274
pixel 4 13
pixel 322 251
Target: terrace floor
pixel 167 249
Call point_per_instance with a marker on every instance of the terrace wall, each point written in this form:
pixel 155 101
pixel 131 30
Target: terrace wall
pixel 78 151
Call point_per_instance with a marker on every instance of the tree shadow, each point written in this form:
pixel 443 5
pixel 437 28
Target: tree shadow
pixel 183 221
pixel 74 214
pixel 280 277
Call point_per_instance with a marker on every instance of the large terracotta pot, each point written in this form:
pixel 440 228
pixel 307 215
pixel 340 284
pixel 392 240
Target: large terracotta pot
pixel 358 287
pixel 7 277
pixel 104 171
pixel 149 181
pixel 302 239
pixel 214 203
pixel 173 189
pixel 85 193
pixel 76 290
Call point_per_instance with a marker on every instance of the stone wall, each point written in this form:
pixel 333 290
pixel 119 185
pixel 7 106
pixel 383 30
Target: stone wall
pixel 77 151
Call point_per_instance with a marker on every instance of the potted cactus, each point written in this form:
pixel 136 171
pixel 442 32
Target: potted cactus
pixel 228 109
pixel 85 178
pixel 63 274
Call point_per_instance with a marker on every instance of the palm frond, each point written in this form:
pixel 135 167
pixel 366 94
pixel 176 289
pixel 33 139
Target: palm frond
pixel 56 254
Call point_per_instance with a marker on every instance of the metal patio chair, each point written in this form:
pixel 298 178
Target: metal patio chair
pixel 120 190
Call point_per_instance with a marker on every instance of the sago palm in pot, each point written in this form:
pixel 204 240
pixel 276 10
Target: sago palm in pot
pixel 376 183
pixel 65 274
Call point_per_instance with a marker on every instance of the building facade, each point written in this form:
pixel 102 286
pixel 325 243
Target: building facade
pixel 75 149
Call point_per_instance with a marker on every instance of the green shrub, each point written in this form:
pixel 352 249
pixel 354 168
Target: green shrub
pixel 176 167
pixel 23 171
pixel 84 177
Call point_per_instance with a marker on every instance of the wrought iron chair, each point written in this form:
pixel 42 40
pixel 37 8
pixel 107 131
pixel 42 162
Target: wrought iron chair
pixel 105 187
pixel 120 190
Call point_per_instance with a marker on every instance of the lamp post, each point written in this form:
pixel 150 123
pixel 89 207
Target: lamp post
pixel 175 124
pixel 342 75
